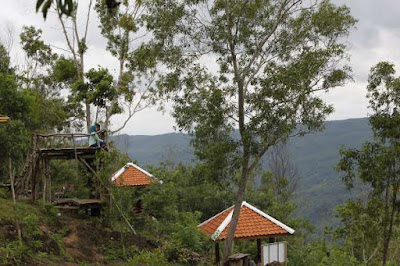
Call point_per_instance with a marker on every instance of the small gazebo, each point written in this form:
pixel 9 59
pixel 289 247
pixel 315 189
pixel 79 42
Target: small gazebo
pixel 253 224
pixel 132 175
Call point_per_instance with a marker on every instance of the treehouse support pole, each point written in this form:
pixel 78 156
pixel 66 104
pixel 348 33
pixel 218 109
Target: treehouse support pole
pixel 44 181
pixel 258 250
pixel 47 181
pixel 34 180
pixel 217 254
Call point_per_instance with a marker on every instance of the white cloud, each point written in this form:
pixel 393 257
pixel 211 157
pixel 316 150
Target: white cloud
pixel 376 38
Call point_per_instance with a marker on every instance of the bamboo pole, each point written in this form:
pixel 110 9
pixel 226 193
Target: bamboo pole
pixel 111 195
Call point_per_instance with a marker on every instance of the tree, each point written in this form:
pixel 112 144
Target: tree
pixel 127 41
pixel 14 137
pixel 271 58
pixel 77 46
pixel 377 163
pixel 131 89
pixel 43 77
pixel 360 228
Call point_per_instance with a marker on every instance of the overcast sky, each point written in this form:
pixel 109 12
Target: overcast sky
pixel 376 38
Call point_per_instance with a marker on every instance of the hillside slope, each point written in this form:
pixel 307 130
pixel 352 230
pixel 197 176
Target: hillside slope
pixel 315 155
pixel 53 237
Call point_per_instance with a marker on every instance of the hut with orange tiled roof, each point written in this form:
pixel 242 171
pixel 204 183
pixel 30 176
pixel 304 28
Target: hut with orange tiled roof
pixel 132 175
pixel 253 224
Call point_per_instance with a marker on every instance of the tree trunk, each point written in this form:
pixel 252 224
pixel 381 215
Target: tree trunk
pixel 236 213
pixel 88 119
pixel 14 200
pixel 385 250
pixel 387 236
pixel 245 167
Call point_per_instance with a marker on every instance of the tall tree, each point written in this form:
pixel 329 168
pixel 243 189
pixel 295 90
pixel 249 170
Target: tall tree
pixel 43 77
pixel 122 24
pixel 77 45
pixel 377 163
pixel 128 42
pixel 254 66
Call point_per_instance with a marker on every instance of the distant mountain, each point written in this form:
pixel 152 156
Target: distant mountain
pixel 155 149
pixel 320 188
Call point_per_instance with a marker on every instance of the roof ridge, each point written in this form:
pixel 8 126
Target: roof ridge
pixel 222 226
pixel 141 169
pixel 225 222
pixel 127 165
pixel 147 173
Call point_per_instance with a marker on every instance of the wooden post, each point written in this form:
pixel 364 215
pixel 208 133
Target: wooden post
pixel 47 181
pixel 217 254
pixel 258 251
pixel 34 180
pixel 44 180
pixel 39 173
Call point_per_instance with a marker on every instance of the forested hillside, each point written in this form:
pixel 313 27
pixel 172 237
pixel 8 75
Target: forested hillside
pixel 247 82
pixel 320 188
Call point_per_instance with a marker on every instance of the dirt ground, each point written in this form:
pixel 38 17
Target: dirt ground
pixel 85 240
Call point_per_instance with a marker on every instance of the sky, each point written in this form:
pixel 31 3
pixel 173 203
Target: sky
pixel 376 38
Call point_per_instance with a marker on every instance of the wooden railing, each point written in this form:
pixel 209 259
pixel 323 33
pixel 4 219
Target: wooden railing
pixel 64 140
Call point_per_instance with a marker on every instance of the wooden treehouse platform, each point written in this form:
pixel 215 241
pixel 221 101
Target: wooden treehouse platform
pixel 69 153
pixel 35 175
pixel 74 204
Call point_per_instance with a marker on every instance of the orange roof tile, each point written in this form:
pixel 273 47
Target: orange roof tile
pixel 252 223
pixel 132 175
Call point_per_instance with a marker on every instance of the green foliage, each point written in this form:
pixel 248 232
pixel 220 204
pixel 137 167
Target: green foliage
pixel 269 196
pixel 34 46
pixel 14 252
pixel 66 7
pixel 181 191
pixel 383 92
pixel 272 57
pixel 31 227
pixel 50 210
pixel 361 233
pixel 318 253
pixel 100 87
pixel 4 194
pixel 65 70
pixel 376 165
pixel 148 258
